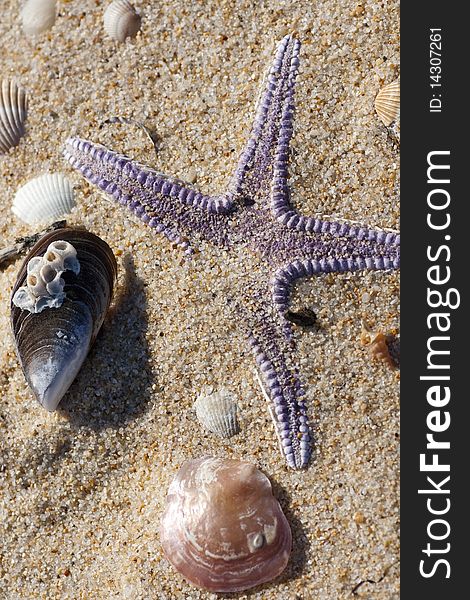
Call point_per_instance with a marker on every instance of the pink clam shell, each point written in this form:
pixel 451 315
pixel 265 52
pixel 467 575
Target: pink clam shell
pixel 223 530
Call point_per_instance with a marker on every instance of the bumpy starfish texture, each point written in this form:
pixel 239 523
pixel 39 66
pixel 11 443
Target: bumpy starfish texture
pixel 256 213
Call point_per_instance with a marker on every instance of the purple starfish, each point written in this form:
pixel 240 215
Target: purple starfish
pixel 254 212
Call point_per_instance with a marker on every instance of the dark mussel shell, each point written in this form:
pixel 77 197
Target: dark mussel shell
pixel 53 344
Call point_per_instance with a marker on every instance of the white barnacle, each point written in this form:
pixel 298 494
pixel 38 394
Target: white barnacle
pixel 66 253
pixel 34 264
pixel 24 299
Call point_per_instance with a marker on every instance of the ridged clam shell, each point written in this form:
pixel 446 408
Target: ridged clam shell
pixel 44 198
pixel 218 412
pixel 13 109
pixel 53 344
pixel 387 103
pixel 121 20
pixel 38 16
pixel 222 529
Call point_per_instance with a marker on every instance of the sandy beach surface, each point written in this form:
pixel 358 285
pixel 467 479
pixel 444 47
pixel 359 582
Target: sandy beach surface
pixel 82 489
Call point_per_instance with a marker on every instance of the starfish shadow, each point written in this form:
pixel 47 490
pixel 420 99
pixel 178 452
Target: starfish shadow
pixel 114 384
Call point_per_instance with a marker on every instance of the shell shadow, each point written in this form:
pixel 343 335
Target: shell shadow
pixel 114 384
pixel 55 455
pixel 300 545
pixel 300 542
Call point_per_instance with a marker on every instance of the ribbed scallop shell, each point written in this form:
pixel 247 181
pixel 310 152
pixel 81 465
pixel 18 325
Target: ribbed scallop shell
pixel 218 412
pixel 38 16
pixel 222 529
pixel 387 103
pixel 13 109
pixel 53 344
pixel 44 198
pixel 121 20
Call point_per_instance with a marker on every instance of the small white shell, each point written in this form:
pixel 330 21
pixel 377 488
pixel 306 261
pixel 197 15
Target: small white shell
pixel 38 16
pixel 44 198
pixel 218 412
pixel 13 107
pixel 387 103
pixel 121 20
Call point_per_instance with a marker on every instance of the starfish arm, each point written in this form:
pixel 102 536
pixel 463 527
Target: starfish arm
pixel 337 250
pixel 313 227
pixel 336 246
pixel 165 204
pixel 281 386
pixel 262 168
pixel 285 277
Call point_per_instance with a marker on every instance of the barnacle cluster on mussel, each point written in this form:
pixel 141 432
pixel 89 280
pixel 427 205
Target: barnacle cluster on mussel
pixel 44 285
pixel 59 302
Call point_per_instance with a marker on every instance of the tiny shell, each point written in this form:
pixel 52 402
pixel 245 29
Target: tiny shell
pixel 376 343
pixel 13 108
pixel 52 344
pixel 38 16
pixel 218 412
pixel 222 529
pixel 121 20
pixel 387 103
pixel 44 198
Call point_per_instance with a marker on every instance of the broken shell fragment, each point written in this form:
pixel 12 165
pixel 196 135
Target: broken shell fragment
pixel 121 20
pixel 376 343
pixel 38 16
pixel 222 529
pixel 387 103
pixel 22 244
pixel 218 412
pixel 53 340
pixel 13 108
pixel 44 198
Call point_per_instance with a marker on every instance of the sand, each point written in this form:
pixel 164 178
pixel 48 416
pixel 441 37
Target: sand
pixel 82 489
